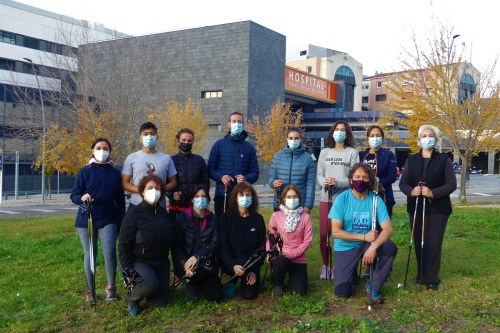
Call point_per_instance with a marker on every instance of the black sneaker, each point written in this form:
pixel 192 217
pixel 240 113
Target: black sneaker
pixel 278 291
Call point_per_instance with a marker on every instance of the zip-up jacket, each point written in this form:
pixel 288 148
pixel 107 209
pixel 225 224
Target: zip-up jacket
pixel 296 167
pixel 232 155
pixel 191 172
pixel 197 237
pixel 386 171
pixel 146 236
pixel 103 183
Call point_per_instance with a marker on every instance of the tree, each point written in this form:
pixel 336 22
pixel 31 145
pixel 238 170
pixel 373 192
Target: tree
pixel 442 88
pixel 175 117
pixel 271 132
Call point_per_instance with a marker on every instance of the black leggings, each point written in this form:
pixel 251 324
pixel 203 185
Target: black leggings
pixel 297 274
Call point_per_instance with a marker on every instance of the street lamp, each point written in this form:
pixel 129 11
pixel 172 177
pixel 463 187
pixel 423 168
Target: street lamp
pixel 43 129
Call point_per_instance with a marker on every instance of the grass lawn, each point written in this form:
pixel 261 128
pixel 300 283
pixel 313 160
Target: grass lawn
pixel 42 286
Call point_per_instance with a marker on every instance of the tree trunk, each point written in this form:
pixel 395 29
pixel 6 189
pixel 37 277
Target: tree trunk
pixel 464 180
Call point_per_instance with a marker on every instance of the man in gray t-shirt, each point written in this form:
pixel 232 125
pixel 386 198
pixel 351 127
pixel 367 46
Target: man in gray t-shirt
pixel 147 161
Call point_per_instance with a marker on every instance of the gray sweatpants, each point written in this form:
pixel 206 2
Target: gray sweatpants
pixel 346 262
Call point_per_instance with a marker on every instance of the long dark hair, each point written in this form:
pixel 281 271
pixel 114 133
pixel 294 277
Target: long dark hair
pixel 349 138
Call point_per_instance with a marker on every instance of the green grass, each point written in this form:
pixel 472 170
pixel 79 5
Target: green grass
pixel 42 285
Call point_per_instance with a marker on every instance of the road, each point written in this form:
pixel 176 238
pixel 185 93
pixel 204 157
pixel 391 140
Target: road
pixel 481 188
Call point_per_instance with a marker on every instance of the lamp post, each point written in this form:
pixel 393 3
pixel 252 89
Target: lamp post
pixel 43 129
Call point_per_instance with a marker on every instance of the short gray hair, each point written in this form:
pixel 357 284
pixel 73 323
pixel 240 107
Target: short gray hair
pixel 428 127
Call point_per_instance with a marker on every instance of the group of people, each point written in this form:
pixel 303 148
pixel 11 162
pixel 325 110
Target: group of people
pixel 355 209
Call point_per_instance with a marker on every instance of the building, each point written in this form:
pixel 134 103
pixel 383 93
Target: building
pixel 33 40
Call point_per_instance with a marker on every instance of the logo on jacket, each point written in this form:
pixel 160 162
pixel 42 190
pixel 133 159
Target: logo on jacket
pixel 253 229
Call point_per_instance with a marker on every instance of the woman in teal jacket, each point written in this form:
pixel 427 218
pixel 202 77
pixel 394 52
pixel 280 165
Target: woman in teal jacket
pixel 294 166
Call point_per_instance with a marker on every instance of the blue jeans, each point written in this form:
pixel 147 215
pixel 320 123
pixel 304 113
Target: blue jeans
pixel 107 235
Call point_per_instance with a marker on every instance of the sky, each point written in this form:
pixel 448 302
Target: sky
pixel 373 32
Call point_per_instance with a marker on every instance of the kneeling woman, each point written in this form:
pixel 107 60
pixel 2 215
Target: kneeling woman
pixel 146 237
pixel 355 235
pixel 294 226
pixel 197 240
pixel 243 234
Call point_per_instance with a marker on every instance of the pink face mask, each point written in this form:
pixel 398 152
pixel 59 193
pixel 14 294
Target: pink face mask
pixel 360 185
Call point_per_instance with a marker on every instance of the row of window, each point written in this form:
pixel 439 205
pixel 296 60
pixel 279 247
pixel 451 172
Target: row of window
pixel 27 68
pixel 378 98
pixel 37 44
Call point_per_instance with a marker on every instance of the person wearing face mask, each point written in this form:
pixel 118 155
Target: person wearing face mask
pixel 232 160
pixel 242 234
pixel 191 172
pixel 428 176
pixel 196 248
pixel 383 162
pixel 147 161
pixel 295 227
pixel 294 165
pixel 100 183
pixel 351 220
pixel 146 238
pixel 334 163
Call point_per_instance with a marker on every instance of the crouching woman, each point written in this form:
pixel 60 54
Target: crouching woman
pixel 293 226
pixel 146 237
pixel 356 236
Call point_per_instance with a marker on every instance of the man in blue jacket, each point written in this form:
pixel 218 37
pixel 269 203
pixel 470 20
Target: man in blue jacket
pixel 232 160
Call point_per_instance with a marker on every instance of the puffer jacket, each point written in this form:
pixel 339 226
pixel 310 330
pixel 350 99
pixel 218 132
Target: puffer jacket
pixel 201 241
pixel 296 167
pixel 232 155
pixel 191 172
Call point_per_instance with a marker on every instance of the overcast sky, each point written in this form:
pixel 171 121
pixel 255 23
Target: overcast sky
pixel 373 32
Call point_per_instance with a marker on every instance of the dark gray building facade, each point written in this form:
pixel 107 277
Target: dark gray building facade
pixel 229 67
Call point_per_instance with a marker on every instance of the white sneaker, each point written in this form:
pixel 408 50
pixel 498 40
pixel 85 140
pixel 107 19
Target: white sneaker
pixel 324 273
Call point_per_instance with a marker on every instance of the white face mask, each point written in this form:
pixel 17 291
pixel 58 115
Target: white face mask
pixel 236 128
pixel 152 196
pixel 375 142
pixel 101 155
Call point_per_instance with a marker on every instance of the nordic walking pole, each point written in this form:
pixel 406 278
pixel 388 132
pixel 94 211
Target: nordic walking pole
pixel 422 244
pixel 90 228
pixel 374 227
pixel 225 197
pixel 329 269
pixel 411 238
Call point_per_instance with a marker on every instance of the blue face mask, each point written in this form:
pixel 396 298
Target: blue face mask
pixel 293 144
pixel 236 128
pixel 375 142
pixel 200 203
pixel 292 203
pixel 339 136
pixel 244 202
pixel 149 141
pixel 428 142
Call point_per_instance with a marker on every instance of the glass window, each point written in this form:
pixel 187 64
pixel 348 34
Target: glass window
pixel 380 98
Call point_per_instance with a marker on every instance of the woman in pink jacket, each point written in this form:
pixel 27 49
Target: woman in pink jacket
pixel 295 228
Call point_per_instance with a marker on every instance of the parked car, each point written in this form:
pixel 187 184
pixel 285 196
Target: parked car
pixel 474 170
pixel 457 167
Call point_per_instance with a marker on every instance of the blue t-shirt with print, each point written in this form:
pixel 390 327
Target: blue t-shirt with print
pixel 356 216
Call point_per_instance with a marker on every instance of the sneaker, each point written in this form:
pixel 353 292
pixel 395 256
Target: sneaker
pixel 89 296
pixel 278 291
pixel 376 297
pixel 324 273
pixel 133 309
pixel 431 287
pixel 111 293
pixel 229 290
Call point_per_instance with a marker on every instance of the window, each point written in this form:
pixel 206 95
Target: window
pixel 211 94
pixel 364 99
pixel 380 98
pixel 309 69
pixel 7 37
pixel 379 84
pixel 364 87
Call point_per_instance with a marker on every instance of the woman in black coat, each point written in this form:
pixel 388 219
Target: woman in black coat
pixel 428 180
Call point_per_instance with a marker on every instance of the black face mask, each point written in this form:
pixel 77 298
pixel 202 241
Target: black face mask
pixel 185 147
